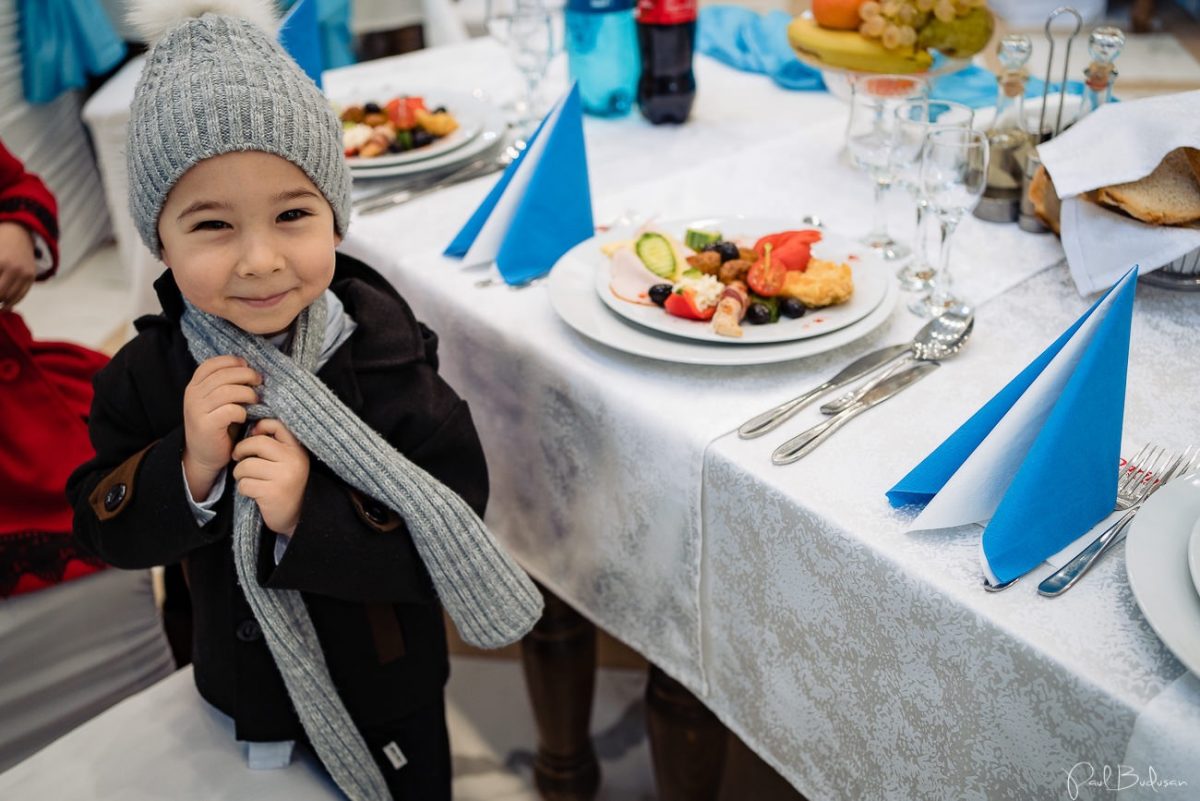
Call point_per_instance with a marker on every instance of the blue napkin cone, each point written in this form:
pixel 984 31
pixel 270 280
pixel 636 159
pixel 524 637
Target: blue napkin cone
pixel 300 36
pixel 1068 480
pixel 555 212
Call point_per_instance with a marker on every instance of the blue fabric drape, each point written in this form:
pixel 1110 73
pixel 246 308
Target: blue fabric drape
pixel 63 42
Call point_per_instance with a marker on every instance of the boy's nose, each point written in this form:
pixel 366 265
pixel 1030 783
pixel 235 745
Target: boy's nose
pixel 260 259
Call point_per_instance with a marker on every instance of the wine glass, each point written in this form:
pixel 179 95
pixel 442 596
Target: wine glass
pixel 914 119
pixel 954 164
pixel 530 31
pixel 873 99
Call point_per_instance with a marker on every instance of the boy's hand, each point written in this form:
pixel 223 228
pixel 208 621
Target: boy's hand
pixel 215 399
pixel 273 470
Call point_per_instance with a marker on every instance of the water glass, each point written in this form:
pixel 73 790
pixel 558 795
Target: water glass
pixel 869 141
pixel 530 31
pixel 954 164
pixel 914 119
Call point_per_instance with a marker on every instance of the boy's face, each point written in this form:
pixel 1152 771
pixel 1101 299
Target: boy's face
pixel 249 238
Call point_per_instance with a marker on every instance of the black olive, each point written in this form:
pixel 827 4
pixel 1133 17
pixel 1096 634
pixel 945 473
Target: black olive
pixel 421 137
pixel 372 108
pixel 728 251
pixel 758 314
pixel 439 110
pixel 394 146
pixel 659 293
pixel 790 307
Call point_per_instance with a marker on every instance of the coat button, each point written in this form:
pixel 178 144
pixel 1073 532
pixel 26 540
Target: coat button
pixel 248 631
pixel 375 511
pixel 114 496
pixel 9 369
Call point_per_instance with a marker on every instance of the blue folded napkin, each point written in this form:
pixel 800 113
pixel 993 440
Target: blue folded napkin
pixel 300 36
pixel 1040 458
pixel 542 205
pixel 751 42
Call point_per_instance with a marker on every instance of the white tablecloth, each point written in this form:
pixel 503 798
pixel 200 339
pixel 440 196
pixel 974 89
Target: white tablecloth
pixel 861 662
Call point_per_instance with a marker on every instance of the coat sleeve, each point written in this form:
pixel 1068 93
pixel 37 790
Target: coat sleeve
pixel 130 501
pixel 26 200
pixel 352 547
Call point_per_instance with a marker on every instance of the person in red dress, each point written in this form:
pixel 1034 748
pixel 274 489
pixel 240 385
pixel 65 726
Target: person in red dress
pixel 45 396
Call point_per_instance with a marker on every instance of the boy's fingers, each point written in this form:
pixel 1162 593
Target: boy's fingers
pixel 253 488
pixel 255 468
pixel 263 447
pixel 275 428
pixel 227 376
pixel 210 366
pixel 229 393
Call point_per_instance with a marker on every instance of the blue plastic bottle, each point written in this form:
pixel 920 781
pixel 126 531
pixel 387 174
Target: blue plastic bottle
pixel 602 51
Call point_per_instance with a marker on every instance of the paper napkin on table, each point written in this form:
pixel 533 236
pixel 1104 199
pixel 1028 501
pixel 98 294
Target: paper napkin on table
pixel 540 208
pixel 1119 143
pixel 1039 460
pixel 752 42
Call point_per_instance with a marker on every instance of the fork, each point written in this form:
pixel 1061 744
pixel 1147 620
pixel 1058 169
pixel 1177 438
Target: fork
pixel 1066 577
pixel 1130 478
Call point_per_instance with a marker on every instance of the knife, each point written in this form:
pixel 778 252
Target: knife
pixel 773 418
pixel 803 444
pixel 469 173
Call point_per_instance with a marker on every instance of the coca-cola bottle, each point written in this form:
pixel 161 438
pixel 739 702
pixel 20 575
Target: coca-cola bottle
pixel 666 36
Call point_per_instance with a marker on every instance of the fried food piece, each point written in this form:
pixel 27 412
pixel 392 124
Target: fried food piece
pixel 747 254
pixel 824 283
pixel 734 270
pixel 440 123
pixel 707 262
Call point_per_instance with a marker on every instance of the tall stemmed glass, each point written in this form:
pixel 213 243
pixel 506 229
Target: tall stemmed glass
pixel 954 164
pixel 914 119
pixel 869 141
pixel 530 31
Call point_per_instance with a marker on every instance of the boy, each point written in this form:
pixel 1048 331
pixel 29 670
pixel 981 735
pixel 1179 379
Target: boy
pixel 316 605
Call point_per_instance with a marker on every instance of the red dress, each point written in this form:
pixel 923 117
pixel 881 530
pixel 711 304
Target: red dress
pixel 45 396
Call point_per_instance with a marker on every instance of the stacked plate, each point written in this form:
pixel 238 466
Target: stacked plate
pixel 580 293
pixel 1162 558
pixel 480 126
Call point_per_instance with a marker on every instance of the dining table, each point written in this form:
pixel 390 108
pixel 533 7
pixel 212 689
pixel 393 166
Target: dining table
pixel 790 604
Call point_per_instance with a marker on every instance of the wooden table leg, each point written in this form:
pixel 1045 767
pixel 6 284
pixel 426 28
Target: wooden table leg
pixel 687 742
pixel 559 656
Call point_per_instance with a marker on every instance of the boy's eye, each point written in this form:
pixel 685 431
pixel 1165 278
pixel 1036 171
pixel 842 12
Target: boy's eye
pixel 211 225
pixel 291 215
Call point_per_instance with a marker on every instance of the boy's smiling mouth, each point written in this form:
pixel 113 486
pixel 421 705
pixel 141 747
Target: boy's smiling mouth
pixel 263 302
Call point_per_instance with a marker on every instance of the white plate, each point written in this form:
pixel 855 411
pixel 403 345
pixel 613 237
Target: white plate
pixel 1156 559
pixel 572 290
pixel 491 128
pixel 1194 555
pixel 469 110
pixel 871 279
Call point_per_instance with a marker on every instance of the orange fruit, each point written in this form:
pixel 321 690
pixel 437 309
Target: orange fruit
pixel 840 15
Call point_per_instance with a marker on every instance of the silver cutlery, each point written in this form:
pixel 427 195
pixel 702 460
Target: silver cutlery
pixel 469 172
pixel 940 338
pixel 1152 479
pixel 773 418
pixel 801 445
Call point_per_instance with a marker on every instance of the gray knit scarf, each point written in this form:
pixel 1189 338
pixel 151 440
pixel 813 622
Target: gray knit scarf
pixel 490 599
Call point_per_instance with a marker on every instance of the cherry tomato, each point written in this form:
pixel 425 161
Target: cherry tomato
pixel 684 305
pixel 778 240
pixel 415 103
pixel 768 274
pixel 401 115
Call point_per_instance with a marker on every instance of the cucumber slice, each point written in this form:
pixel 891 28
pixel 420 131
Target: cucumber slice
pixel 697 239
pixel 657 254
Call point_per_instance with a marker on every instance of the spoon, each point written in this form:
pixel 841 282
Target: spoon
pixel 940 338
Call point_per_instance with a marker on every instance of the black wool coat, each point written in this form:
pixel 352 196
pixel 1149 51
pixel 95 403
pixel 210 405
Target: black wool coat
pixel 369 595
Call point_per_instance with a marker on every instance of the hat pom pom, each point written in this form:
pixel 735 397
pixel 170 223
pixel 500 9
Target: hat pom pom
pixel 153 18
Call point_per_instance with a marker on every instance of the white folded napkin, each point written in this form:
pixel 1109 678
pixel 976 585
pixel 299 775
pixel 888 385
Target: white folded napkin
pixel 1118 143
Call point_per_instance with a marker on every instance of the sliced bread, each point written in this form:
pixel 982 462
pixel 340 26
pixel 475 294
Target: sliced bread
pixel 1168 196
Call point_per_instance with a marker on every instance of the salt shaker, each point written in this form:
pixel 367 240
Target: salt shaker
pixel 1006 135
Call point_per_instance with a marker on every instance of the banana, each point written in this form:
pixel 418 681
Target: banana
pixel 851 50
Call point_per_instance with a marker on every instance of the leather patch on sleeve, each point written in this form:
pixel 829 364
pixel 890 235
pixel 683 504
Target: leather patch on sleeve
pixel 385 630
pixel 374 513
pixel 113 493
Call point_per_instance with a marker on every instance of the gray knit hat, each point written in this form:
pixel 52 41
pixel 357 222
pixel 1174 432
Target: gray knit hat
pixel 217 83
